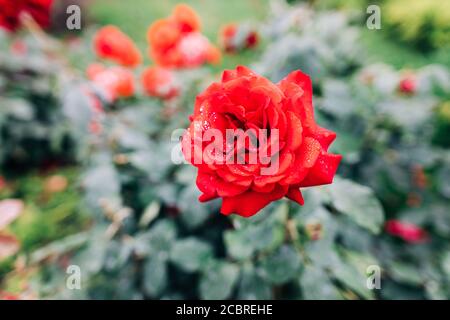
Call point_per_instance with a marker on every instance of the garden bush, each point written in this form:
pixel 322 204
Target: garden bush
pixel 425 24
pixel 149 237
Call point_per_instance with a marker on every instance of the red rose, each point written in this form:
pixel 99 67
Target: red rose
pixel 159 82
pixel 294 149
pixel 406 230
pixel 111 43
pixel 11 10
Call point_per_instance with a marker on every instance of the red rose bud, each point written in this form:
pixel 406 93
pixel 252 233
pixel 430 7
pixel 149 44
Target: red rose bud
pixel 408 84
pixel 111 43
pixel 252 39
pixel 159 82
pixel 115 82
pixel 11 10
pixel 255 142
pixel 407 231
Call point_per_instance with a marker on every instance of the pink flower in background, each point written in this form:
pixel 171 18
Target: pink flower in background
pixel 408 84
pixel 159 82
pixel 115 82
pixel 10 209
pixel 407 231
pixel 194 49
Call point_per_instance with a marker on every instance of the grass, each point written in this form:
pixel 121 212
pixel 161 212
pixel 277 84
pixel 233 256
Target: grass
pixel 383 48
pixel 135 19
pixel 47 216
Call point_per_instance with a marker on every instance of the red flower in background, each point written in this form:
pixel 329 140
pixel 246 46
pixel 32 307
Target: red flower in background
pixel 8 296
pixel 2 183
pixel 111 43
pixel 408 84
pixel 115 82
pixel 245 100
pixel 406 231
pixel 11 10
pixel 159 82
pixel 230 42
pixel 176 42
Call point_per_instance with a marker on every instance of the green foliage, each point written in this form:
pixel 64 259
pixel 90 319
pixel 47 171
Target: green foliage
pixel 425 24
pixel 34 130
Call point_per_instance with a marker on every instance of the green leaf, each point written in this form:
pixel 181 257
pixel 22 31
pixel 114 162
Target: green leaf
pixel 155 274
pixel 158 239
pixel 358 202
pixel 405 273
pixel 252 285
pixel 316 285
pixel 193 212
pixel 191 254
pixel 282 265
pixel 218 280
pixel 353 280
pixel 241 244
pixel 237 244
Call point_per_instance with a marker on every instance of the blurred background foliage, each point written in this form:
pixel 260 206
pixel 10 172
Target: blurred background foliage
pixel 111 202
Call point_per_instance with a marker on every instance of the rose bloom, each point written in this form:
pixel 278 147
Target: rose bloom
pixel 11 10
pixel 176 41
pixel 159 82
pixel 406 231
pixel 229 42
pixel 111 43
pixel 245 100
pixel 115 82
